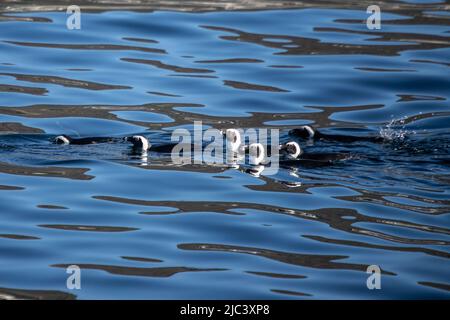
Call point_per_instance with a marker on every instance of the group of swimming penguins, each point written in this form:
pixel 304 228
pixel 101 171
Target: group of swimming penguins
pixel 290 152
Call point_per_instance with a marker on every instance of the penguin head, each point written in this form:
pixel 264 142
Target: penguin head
pixel 139 142
pixel 292 149
pixel 233 139
pixel 303 132
pixel 256 153
pixel 63 139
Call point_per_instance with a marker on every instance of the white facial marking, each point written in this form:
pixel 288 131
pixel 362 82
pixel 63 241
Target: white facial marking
pixel 256 153
pixel 310 131
pixel 233 139
pixel 294 150
pixel 63 139
pixel 144 141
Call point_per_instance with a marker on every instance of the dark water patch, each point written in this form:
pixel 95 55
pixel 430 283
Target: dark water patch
pixel 3 187
pixel 98 47
pixel 416 41
pixel 200 76
pixel 330 216
pixel 79 69
pixel 177 111
pixel 140 40
pixel 17 127
pixel 156 213
pixel 22 294
pixel 381 199
pixel 55 172
pixel 196 6
pixel 285 66
pixel 164 94
pixel 18 237
pixel 431 61
pixel 141 259
pixel 22 89
pixel 277 275
pixel 420 18
pixel 143 116
pixel 161 65
pixel 441 286
pixel 384 70
pixel 432 252
pixel 171 206
pixel 291 293
pixel 88 228
pixel 162 272
pixel 290 45
pixel 214 5
pixel 82 84
pixel 231 60
pixel 412 97
pixel 311 261
pixel 252 86
pixel 51 207
pixel 102 112
pixel 4 17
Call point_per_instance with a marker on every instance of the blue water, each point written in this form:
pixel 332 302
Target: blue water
pixel 143 228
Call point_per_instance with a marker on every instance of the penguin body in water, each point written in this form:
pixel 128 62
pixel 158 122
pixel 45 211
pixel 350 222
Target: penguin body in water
pixel 234 144
pixel 315 160
pixel 307 132
pixel 139 142
pixel 296 157
pixel 292 155
pixel 65 139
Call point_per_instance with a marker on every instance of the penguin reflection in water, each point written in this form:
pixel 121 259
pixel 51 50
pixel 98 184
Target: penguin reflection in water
pixel 292 155
pixel 256 158
pixel 65 139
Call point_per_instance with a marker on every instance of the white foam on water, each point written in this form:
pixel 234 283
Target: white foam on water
pixel 395 130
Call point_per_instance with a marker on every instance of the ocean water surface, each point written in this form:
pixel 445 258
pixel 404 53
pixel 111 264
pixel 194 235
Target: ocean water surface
pixel 145 228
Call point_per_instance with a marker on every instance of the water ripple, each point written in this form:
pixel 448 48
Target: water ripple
pixel 158 229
